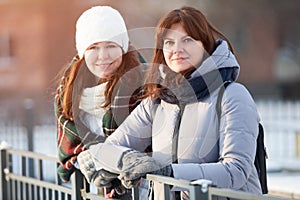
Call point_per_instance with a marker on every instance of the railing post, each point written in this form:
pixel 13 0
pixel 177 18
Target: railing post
pixel 3 184
pixel 199 189
pixel 197 193
pixel 77 180
pixel 29 125
pixel 135 193
pixel 166 191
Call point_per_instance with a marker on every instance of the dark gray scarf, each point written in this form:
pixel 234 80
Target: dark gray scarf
pixel 195 89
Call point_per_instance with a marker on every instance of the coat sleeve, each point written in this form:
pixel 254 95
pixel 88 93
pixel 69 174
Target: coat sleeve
pixel 237 144
pixel 134 133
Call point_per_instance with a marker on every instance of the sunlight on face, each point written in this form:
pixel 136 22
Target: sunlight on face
pixel 180 50
pixel 103 58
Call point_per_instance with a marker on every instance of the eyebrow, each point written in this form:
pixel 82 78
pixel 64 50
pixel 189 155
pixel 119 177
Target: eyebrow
pixel 183 37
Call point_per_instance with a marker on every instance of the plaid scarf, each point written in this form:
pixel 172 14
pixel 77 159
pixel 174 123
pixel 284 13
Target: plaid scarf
pixel 70 143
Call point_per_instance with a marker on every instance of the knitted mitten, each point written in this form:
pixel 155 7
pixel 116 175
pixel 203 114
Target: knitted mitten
pixel 86 165
pixel 103 178
pixel 135 165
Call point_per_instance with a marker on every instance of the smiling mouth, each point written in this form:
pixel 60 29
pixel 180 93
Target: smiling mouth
pixel 179 59
pixel 103 65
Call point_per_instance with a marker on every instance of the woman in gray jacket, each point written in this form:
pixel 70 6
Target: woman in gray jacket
pixel 192 61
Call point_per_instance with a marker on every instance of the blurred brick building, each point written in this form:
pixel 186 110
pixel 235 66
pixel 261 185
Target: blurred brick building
pixel 37 40
pixel 35 37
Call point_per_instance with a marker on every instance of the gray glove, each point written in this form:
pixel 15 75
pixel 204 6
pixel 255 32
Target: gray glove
pixel 100 178
pixel 103 178
pixel 86 165
pixel 135 165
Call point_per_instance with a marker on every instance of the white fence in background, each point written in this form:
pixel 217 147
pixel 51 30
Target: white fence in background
pixel 282 133
pixel 281 121
pixel 44 137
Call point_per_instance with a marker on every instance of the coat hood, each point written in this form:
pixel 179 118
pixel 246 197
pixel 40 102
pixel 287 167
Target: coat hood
pixel 222 57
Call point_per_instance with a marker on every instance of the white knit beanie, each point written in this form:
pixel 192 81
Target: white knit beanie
pixel 100 24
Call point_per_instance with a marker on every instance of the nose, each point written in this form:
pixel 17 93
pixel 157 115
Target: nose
pixel 102 53
pixel 178 47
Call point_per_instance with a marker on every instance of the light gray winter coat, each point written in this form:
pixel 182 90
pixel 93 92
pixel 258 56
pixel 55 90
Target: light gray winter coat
pixel 223 154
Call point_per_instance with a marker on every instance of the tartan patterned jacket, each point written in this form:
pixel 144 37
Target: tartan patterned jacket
pixel 125 98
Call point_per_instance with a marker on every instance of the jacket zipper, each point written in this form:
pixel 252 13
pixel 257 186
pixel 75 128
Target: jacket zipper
pixel 176 135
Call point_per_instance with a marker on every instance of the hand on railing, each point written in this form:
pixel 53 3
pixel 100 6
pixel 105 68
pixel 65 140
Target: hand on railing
pixel 117 189
pixel 103 178
pixel 136 165
pixel 100 178
pixel 86 165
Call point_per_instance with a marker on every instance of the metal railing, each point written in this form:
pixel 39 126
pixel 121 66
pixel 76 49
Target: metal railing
pixel 203 190
pixel 22 177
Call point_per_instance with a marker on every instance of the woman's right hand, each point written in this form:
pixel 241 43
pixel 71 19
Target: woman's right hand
pixel 86 165
pixel 100 178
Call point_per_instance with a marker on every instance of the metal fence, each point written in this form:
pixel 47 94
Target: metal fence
pixel 31 175
pixel 27 181
pixel 23 178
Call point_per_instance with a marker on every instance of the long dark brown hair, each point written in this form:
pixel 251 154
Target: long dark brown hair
pixel 196 25
pixel 79 73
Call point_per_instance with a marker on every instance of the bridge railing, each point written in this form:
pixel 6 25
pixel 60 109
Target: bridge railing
pixel 27 175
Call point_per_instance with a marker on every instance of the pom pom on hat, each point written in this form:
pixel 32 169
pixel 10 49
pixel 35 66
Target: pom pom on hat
pixel 100 24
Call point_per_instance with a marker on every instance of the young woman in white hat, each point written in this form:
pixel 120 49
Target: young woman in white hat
pixel 99 88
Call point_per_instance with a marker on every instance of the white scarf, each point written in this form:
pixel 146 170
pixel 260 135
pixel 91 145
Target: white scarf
pixel 92 99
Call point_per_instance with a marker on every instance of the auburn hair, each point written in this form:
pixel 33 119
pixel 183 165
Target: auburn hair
pixel 196 25
pixel 77 77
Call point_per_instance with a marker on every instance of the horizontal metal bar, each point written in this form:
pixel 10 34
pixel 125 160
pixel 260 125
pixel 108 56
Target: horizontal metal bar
pixel 91 196
pixel 212 191
pixel 31 154
pixel 169 180
pixel 36 182
pixel 221 192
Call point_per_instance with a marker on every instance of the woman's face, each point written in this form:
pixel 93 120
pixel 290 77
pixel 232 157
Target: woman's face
pixel 103 58
pixel 181 51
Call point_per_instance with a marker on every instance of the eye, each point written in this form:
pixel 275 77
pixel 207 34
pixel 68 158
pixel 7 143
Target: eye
pixel 188 39
pixel 111 46
pixel 92 47
pixel 168 43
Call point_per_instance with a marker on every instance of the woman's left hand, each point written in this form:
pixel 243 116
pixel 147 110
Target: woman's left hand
pixel 136 165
